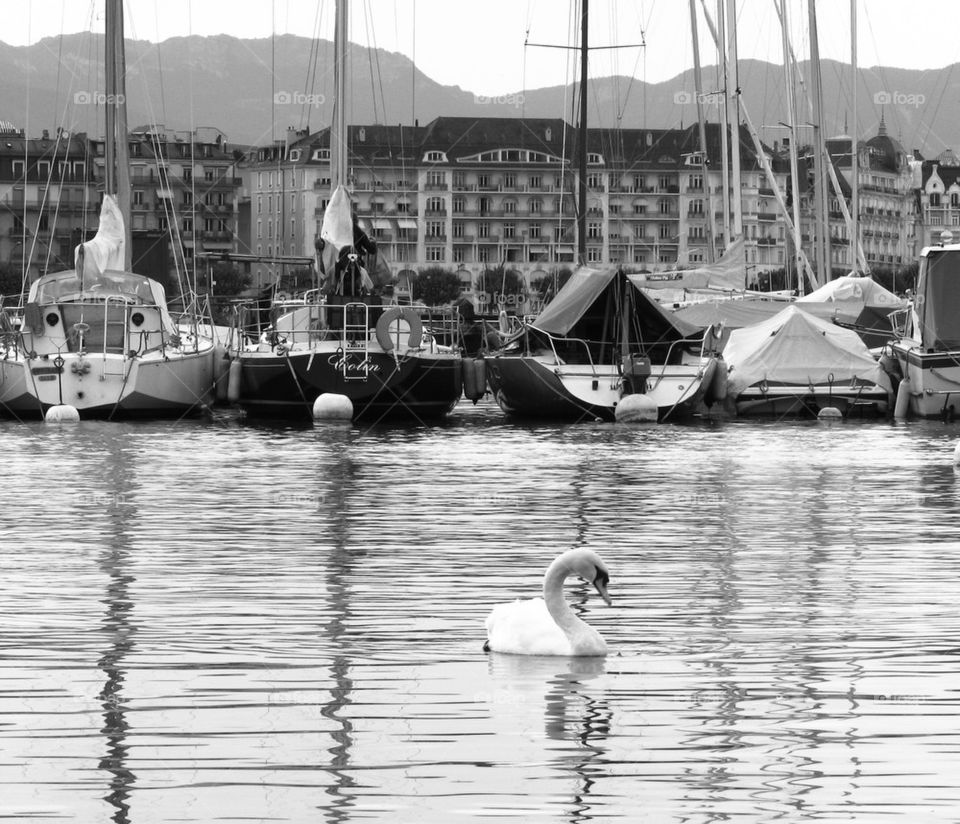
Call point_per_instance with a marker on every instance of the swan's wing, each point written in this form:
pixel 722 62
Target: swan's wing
pixel 525 628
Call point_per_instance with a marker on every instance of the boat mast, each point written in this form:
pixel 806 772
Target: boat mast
pixel 704 159
pixel 116 150
pixel 821 231
pixel 582 160
pixel 724 142
pixel 799 258
pixel 733 114
pixel 338 128
pixel 854 154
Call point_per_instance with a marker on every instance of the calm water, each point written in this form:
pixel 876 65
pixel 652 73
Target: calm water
pixel 222 622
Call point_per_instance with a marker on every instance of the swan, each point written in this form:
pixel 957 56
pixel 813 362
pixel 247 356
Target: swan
pixel 547 626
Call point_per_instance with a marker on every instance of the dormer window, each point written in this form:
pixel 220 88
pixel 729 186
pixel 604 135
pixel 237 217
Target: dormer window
pixel 594 159
pixel 321 154
pixel 435 157
pixel 294 155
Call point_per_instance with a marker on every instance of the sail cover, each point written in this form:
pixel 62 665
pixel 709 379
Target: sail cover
pixel 586 294
pixel 795 347
pixel 729 273
pixel 106 249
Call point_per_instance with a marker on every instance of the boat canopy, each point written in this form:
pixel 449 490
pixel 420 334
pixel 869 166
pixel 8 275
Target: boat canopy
pixel 937 303
pixel 795 347
pixel 587 293
pixel 728 274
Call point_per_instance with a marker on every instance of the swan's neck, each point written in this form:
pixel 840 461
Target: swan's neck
pixel 557 606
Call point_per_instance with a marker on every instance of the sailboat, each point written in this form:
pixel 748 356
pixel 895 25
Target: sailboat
pixel 601 338
pixel 100 338
pixel 344 339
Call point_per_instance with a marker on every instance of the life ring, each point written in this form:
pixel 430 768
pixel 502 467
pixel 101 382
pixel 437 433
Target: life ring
pixel 385 339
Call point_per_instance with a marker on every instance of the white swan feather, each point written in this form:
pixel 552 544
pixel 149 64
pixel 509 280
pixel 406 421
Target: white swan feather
pixel 547 626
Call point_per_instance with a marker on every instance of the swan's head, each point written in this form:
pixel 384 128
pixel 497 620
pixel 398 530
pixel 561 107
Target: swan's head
pixel 586 564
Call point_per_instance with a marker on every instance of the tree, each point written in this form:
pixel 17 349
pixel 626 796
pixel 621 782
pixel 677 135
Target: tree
pixel 547 286
pixel 499 282
pixel 228 283
pixel 11 282
pixel 436 286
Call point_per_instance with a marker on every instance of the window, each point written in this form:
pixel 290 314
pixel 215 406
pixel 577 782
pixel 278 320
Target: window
pixel 436 254
pixel 595 181
pixel 435 204
pixel 459 181
pixel 594 158
pixel 594 254
pixel 436 178
pixel 696 207
pixel 458 205
pixel 188 225
pixel 483 254
pixel 403 207
pixel 435 228
pixel 510 207
pixel 663 183
pixel 259 229
pixel 510 181
pixel 435 157
pixel 483 230
pixel 509 230
pixel 934 198
pixel 534 231
pixel 187 175
pixel 535 181
pixel 138 197
pixel 458 229
pixel 536 206
pixel 18 167
pixel 664 231
pixel 664 207
pixel 594 230
pixel 696 181
pixel 483 181
pixel 639 256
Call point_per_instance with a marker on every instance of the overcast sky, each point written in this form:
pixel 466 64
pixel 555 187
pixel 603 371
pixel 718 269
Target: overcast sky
pixel 479 44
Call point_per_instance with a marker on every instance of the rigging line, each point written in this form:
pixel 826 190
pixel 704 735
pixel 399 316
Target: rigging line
pixel 163 97
pixel 312 62
pixel 373 63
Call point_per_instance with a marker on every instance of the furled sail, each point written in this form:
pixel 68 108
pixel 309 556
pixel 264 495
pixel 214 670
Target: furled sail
pixel 105 251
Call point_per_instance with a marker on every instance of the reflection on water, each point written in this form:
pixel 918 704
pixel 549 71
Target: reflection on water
pixel 221 621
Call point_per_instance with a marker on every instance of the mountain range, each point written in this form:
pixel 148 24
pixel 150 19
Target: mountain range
pixel 254 89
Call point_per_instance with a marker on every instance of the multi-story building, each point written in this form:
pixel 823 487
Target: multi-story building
pixel 888 216
pixel 183 198
pixel 939 198
pixel 48 199
pixel 473 193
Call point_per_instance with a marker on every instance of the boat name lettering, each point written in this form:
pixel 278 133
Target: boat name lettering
pixel 348 364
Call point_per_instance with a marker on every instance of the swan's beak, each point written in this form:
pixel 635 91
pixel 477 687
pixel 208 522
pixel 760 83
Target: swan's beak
pixel 600 582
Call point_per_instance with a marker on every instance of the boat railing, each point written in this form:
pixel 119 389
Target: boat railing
pixel 307 322
pixel 899 318
pixel 577 342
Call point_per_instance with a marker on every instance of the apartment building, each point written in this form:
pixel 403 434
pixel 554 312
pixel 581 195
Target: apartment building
pixel 48 199
pixel 183 198
pixel 473 193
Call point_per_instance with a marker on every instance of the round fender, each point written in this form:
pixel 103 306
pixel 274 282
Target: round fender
pixel 384 337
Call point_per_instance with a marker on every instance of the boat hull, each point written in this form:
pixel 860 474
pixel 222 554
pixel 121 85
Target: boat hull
pixel 166 384
pixel 535 386
pixel 933 390
pixel 419 385
pixel 804 401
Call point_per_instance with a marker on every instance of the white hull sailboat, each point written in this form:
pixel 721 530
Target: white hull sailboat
pixel 928 350
pixel 99 338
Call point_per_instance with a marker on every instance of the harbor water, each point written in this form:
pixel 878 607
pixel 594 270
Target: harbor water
pixel 231 621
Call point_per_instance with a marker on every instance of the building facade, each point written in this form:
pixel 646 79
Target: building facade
pixel 476 193
pixel 183 198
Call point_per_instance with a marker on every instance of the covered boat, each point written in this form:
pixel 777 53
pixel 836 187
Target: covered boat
pixel 601 337
pixel 927 352
pixel 796 363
